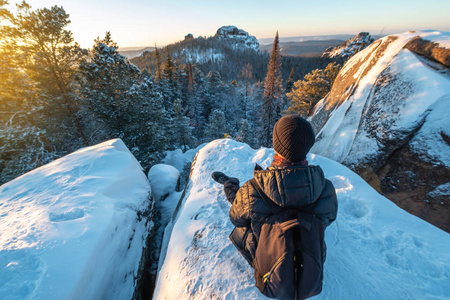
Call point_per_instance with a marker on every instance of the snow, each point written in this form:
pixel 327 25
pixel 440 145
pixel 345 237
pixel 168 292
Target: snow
pixel 178 159
pixel 70 229
pixel 429 139
pixel 375 249
pixel 163 180
pixel 342 138
pixel 442 190
pixel 349 47
pixel 201 56
pixel 442 38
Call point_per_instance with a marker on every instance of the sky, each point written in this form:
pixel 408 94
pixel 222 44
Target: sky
pixel 140 23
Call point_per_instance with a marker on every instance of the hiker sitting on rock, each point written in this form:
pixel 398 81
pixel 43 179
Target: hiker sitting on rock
pixel 291 193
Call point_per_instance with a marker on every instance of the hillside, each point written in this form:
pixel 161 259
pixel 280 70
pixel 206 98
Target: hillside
pixel 134 52
pixel 375 249
pixel 387 118
pixel 304 48
pixel 228 52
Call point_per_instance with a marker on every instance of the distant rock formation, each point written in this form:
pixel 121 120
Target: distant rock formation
pixel 386 118
pixel 350 47
pixel 241 37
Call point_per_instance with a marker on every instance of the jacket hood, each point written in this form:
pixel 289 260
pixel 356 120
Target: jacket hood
pixel 291 187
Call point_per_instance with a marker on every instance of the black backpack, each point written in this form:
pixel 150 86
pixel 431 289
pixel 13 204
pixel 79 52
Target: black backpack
pixel 290 253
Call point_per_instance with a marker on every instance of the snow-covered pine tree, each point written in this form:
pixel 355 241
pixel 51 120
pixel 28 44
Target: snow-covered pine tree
pixel 105 79
pixel 148 129
pixel 217 125
pixel 272 99
pixel 182 137
pixel 169 83
pixel 213 99
pixel 246 133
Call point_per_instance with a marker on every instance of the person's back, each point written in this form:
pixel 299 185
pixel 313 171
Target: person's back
pixel 290 184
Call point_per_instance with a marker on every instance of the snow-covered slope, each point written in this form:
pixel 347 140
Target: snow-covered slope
pixel 387 117
pixel 375 249
pixel 389 81
pixel 74 228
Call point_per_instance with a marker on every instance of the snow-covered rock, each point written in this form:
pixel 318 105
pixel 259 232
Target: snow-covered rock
pixel 375 249
pixel 179 159
pixel 238 36
pixel 75 228
pixel 164 180
pixel 350 47
pixel 387 117
pixel 214 51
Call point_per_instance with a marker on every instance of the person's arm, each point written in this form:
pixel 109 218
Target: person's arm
pixel 230 187
pixel 327 206
pixel 240 209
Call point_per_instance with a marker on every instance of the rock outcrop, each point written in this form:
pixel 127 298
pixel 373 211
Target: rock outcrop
pixel 202 263
pixel 350 47
pixel 386 117
pixel 238 36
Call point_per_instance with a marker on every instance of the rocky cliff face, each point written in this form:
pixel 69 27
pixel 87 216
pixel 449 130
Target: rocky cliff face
pixel 387 118
pixel 238 36
pixel 350 47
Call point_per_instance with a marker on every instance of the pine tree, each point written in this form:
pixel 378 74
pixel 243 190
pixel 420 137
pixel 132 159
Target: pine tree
pixel 246 133
pixel 272 96
pixel 306 93
pixel 182 130
pixel 50 59
pixel 290 81
pixel 217 125
pixel 158 64
pixel 246 75
pixel 169 86
pixel 147 129
pixel 105 79
pixel 23 144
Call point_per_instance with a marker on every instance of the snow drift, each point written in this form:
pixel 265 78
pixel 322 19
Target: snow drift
pixel 75 228
pixel 375 249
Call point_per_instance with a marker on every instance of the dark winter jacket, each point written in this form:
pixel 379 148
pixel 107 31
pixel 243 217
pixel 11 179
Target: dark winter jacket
pixel 300 187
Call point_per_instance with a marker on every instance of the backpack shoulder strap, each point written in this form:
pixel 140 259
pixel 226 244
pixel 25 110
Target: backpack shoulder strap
pixel 273 207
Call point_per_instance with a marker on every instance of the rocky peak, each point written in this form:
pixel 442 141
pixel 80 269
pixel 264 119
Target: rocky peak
pixel 239 36
pixel 349 47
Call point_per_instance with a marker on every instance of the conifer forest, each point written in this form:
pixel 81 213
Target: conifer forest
pixel 57 97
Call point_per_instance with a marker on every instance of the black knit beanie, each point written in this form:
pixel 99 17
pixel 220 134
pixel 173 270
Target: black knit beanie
pixel 293 136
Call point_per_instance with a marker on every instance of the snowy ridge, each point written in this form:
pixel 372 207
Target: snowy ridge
pixel 350 47
pixel 348 134
pixel 73 229
pixel 375 249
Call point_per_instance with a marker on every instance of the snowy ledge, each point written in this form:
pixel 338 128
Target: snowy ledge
pixel 375 249
pixel 73 229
